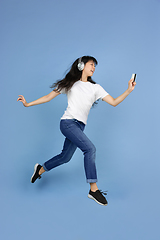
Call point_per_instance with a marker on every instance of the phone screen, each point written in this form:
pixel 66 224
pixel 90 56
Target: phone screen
pixel 134 77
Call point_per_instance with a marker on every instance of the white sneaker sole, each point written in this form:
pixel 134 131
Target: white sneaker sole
pixel 91 197
pixel 35 169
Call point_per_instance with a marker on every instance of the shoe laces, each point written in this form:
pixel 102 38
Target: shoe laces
pixel 103 192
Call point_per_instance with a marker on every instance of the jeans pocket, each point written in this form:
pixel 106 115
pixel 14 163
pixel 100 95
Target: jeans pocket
pixel 66 123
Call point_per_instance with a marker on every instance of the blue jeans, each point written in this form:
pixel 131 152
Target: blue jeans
pixel 73 129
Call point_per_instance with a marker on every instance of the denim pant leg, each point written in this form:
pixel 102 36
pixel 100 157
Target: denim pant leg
pixel 64 157
pixel 73 130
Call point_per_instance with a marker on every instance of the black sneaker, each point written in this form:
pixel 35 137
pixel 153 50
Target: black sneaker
pixel 98 197
pixel 36 175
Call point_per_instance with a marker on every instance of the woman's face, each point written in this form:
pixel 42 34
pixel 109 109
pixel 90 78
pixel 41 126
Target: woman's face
pixel 89 68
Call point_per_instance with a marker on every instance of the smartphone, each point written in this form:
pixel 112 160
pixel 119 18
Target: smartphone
pixel 134 77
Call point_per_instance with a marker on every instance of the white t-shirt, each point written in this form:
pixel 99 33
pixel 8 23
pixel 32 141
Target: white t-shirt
pixel 81 97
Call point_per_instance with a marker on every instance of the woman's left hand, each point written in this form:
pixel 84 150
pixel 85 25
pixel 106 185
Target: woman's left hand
pixel 131 85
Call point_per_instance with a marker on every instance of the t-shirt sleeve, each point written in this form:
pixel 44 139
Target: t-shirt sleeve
pixel 100 92
pixel 62 91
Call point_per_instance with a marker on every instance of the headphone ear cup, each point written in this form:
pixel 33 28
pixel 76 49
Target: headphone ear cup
pixel 80 65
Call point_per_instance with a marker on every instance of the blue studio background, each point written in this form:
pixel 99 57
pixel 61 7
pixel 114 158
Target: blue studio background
pixel 40 39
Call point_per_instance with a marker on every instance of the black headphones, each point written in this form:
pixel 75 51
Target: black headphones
pixel 80 64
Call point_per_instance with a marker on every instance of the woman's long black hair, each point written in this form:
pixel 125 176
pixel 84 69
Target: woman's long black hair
pixel 73 75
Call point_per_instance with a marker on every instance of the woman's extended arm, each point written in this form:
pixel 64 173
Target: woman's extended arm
pixel 41 100
pixel 115 101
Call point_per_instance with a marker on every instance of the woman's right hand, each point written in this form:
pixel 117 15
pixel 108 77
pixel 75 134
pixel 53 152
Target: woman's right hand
pixel 23 100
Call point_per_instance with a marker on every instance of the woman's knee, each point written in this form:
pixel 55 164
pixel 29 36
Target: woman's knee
pixel 91 149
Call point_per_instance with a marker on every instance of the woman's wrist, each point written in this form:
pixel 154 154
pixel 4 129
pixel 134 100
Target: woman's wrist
pixel 27 105
pixel 128 91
